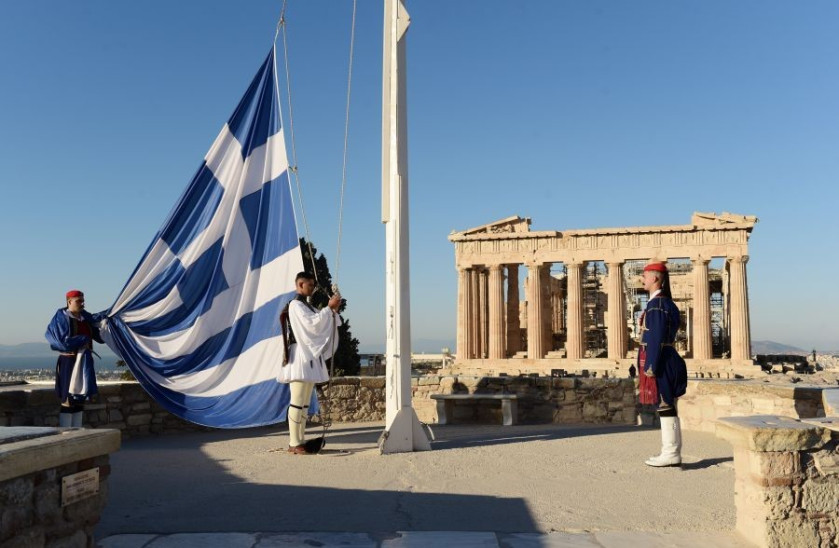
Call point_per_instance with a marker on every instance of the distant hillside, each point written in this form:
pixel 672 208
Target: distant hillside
pixel 42 350
pixel 430 346
pixel 25 350
pixel 772 347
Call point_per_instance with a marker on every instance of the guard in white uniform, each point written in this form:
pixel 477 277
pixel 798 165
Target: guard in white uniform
pixel 310 337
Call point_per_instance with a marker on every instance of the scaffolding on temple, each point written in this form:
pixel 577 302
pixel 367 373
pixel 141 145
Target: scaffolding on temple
pixel 594 324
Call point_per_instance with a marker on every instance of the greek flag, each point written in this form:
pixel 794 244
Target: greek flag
pixel 197 322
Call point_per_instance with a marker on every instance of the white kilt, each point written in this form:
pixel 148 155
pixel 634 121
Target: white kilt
pixel 299 368
pixel 316 335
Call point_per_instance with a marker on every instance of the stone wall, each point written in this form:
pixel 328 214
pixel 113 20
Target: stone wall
pixel 356 399
pixel 786 480
pixel 32 515
pixel 707 400
pixel 32 467
pixel 126 407
pixel 123 406
pixel 542 400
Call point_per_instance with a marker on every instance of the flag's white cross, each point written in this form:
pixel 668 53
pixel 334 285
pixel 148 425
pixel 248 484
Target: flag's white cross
pixel 238 178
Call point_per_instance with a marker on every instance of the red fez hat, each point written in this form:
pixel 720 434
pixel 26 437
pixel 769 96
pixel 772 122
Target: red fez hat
pixel 656 267
pixel 73 293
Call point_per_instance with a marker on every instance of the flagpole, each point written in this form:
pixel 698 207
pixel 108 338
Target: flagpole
pixel 403 432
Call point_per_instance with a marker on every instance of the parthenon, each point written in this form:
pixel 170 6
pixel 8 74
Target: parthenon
pixel 582 294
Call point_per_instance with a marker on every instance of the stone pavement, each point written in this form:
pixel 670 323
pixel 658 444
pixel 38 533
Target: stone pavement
pixel 421 539
pixel 481 485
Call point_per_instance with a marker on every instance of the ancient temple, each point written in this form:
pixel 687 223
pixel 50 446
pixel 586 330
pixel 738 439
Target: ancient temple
pixel 537 301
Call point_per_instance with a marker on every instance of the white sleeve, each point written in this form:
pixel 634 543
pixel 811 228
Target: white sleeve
pixel 316 332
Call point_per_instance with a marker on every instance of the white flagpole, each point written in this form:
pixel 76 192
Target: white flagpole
pixel 403 432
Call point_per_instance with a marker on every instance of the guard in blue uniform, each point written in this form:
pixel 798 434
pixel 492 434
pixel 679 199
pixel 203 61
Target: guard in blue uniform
pixel 662 362
pixel 71 332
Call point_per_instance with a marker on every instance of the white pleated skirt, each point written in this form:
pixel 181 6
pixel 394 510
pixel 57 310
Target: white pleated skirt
pixel 301 369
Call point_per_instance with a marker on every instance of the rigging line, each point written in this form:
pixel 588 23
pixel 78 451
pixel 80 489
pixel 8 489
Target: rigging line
pixel 281 30
pixel 346 140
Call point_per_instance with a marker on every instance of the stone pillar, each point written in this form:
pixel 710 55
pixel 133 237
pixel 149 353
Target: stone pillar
pixel 701 335
pixel 575 344
pixel 513 304
pixel 464 306
pixel 547 308
pixel 483 349
pixel 617 317
pixel 474 314
pixel 497 334
pixel 785 480
pixel 535 343
pixel 741 340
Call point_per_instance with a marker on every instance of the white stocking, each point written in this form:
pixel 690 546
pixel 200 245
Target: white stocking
pixel 301 393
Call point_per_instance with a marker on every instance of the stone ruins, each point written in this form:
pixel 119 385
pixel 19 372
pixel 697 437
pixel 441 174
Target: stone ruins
pixel 582 295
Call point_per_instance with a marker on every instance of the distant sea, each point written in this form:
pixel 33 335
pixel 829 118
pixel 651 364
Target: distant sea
pixel 18 364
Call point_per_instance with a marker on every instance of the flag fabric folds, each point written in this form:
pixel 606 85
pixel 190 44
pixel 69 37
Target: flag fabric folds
pixel 197 322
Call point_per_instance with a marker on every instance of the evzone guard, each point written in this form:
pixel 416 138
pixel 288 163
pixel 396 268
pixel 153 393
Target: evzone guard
pixel 663 374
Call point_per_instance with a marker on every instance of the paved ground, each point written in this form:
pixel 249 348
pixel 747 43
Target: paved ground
pixel 519 486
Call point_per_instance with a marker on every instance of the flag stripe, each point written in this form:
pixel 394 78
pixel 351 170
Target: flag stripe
pixel 197 322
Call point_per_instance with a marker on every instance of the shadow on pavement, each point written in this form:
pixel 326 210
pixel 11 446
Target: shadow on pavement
pixel 223 481
pixel 705 463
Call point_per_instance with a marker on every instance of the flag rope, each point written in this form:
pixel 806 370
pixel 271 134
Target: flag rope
pixel 281 30
pixel 324 410
pixel 346 146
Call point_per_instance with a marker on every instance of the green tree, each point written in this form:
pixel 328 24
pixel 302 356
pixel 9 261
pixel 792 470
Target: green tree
pixel 126 375
pixel 347 360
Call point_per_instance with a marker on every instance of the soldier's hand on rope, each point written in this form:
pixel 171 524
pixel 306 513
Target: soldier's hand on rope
pixel 334 302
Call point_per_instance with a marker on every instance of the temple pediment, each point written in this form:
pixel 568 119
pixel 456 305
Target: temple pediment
pixel 514 224
pixel 721 219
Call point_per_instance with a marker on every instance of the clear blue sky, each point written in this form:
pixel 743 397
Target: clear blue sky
pixel 578 114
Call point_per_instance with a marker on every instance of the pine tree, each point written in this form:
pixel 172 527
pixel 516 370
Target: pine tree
pixel 347 360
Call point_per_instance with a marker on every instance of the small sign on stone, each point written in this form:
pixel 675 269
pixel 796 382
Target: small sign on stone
pixel 79 486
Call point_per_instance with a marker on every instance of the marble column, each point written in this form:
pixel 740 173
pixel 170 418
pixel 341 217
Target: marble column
pixel 740 329
pixel 535 343
pixel 617 317
pixel 464 305
pixel 575 343
pixel 483 349
pixel 547 308
pixel 513 305
pixel 497 334
pixel 474 314
pixel 701 335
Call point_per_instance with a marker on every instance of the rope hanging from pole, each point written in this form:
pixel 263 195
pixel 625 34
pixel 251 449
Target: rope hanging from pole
pixel 324 411
pixel 292 168
pixel 346 143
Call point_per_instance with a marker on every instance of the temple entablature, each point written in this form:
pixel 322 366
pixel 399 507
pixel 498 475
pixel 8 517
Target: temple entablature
pixel 510 240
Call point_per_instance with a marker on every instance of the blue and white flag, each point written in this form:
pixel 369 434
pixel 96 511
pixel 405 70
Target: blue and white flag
pixel 197 322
